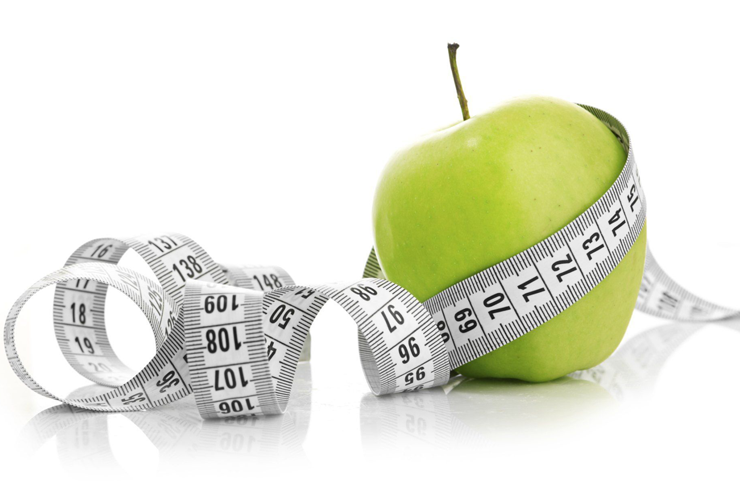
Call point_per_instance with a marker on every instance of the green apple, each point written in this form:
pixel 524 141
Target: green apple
pixel 485 189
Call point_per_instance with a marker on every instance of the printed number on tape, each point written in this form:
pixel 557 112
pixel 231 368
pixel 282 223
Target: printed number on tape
pixel 234 336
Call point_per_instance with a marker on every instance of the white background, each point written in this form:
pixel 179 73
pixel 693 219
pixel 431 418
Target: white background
pixel 259 129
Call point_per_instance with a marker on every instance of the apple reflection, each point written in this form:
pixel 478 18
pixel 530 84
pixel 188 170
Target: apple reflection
pixel 469 412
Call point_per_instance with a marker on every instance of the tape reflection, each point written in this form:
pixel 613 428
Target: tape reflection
pixel 631 372
pixel 84 439
pixel 463 413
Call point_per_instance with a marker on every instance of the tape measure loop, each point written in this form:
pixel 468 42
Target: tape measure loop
pixel 163 380
pixel 244 346
pixel 79 308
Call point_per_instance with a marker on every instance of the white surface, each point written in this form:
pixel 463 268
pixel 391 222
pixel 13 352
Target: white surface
pixel 172 108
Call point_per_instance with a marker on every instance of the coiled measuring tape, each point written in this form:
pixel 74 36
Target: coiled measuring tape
pixel 233 336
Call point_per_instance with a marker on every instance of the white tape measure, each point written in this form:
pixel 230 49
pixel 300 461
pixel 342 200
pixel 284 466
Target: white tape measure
pixel 174 430
pixel 233 336
pixel 439 416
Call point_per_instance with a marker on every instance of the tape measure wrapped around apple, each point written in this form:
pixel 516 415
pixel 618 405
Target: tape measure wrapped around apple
pixel 480 194
pixel 563 174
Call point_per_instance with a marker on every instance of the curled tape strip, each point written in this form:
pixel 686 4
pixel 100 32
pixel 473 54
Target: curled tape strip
pixel 233 336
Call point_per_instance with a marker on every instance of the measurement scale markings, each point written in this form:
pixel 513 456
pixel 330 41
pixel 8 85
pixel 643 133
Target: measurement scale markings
pixel 280 300
pixel 164 254
pixel 64 288
pixel 221 325
pixel 375 354
pixel 234 398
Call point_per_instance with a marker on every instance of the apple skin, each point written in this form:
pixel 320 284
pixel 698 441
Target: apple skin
pixel 481 191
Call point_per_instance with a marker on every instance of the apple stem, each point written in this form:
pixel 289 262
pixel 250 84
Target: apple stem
pixel 452 50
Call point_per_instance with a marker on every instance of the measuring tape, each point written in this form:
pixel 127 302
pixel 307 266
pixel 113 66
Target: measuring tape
pixel 439 417
pixel 233 336
pixel 82 436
